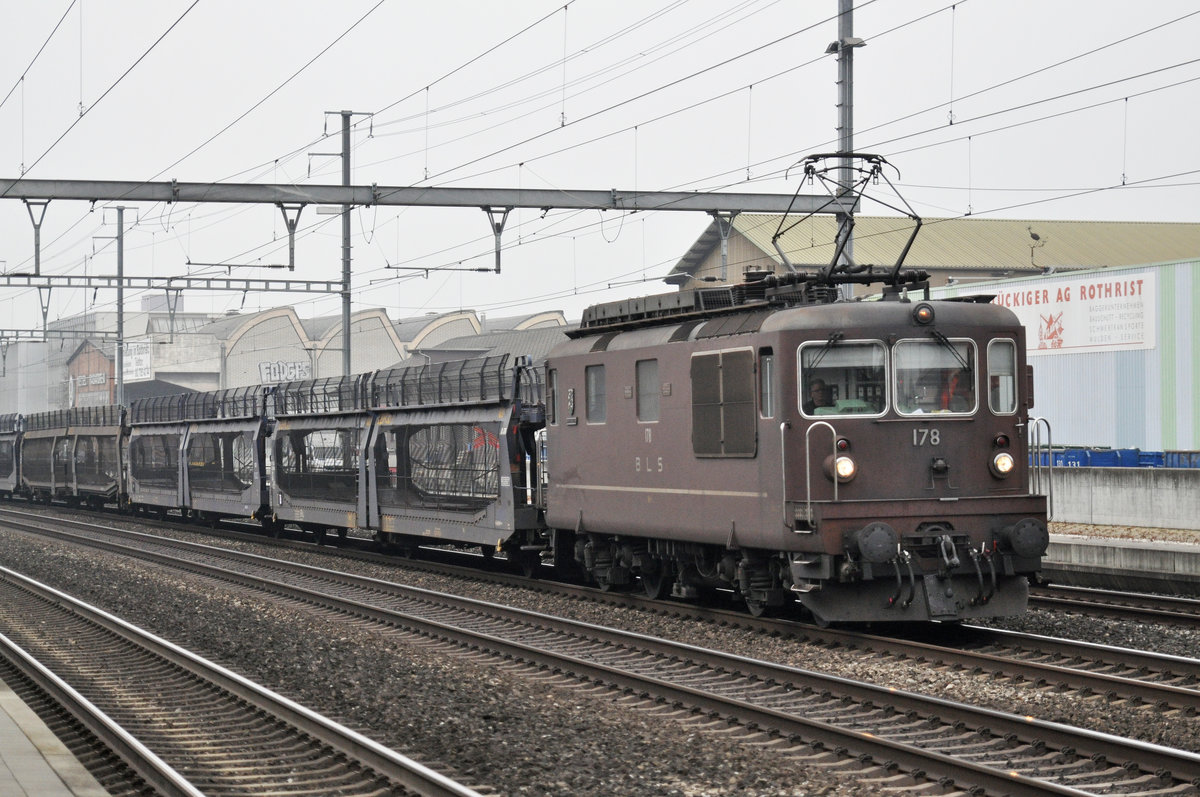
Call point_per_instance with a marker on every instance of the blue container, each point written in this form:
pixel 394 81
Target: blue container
pixel 1182 459
pixel 1151 459
pixel 1072 458
pixel 1103 458
pixel 1127 457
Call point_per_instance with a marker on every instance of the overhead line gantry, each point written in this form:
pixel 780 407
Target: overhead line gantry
pixel 497 203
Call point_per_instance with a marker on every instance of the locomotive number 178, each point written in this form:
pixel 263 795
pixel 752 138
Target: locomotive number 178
pixel 922 437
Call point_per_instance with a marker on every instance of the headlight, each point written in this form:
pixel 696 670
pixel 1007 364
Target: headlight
pixel 846 468
pixel 1003 464
pixel 840 467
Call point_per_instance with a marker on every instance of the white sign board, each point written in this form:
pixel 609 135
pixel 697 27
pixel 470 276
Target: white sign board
pixel 1087 313
pixel 136 362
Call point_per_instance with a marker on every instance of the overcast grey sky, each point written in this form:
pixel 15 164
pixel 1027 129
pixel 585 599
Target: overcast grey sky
pixel 1060 110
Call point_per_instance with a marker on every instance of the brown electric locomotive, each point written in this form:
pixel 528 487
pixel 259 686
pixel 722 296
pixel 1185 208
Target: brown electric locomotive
pixel 868 459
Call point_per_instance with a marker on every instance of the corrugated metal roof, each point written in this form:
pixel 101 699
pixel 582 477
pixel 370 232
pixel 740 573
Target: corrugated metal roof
pixel 541 318
pixel 997 245
pixel 535 342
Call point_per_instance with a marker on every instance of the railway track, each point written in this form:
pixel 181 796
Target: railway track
pixel 897 737
pixel 186 726
pixel 1136 677
pixel 1120 605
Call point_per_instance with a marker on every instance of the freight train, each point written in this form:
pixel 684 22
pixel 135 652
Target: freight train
pixel 866 461
pixel 861 461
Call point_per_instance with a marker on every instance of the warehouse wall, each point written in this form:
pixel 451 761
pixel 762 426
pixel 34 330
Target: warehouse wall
pixel 1137 383
pixel 1166 498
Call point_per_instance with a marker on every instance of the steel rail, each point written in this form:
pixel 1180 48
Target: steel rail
pixel 396 767
pixel 152 769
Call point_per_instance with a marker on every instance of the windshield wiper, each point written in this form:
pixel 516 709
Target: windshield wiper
pixel 945 341
pixel 830 342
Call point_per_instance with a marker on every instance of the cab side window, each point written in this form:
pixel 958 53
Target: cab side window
pixel 596 404
pixel 1002 376
pixel 648 390
pixel 766 383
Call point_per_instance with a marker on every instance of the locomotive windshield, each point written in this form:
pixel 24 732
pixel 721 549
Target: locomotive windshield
pixel 935 376
pixel 843 379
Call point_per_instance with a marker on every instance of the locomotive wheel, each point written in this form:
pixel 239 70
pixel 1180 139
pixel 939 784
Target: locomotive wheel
pixel 657 585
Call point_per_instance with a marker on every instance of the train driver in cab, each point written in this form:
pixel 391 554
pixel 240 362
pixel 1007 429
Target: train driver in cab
pixel 956 394
pixel 819 395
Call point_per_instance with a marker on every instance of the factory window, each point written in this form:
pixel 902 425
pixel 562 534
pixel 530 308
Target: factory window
pixel 648 390
pixel 723 404
pixel 1002 376
pixel 597 407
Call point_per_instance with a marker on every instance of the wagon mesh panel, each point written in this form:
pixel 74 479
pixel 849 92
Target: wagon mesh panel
pixel 476 380
pixel 36 459
pixel 96 464
pixel 318 396
pixel 154 459
pixel 236 402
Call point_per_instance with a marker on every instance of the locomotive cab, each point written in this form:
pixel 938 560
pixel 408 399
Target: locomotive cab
pixel 915 463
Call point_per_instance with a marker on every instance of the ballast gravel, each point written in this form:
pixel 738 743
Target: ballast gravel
pixel 501 731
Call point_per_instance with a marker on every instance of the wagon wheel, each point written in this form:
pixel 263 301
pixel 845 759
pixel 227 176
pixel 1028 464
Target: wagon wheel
pixel 529 563
pixel 319 535
pixel 757 608
pixel 657 584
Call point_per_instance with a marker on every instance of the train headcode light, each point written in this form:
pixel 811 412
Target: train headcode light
pixel 923 313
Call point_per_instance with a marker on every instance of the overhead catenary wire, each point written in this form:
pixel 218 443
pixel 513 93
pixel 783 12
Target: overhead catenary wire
pixel 37 55
pixel 115 83
pixel 768 175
